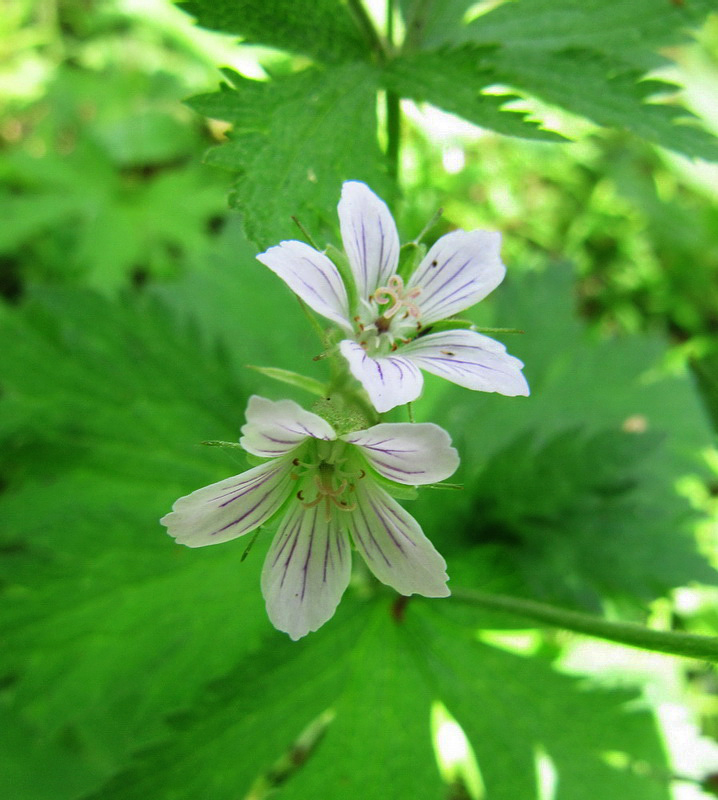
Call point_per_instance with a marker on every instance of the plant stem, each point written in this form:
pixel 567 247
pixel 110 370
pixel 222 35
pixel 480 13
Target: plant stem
pixel 367 28
pixel 393 111
pixel 393 131
pixel 678 644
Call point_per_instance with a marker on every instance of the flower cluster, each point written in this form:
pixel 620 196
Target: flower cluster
pixel 328 489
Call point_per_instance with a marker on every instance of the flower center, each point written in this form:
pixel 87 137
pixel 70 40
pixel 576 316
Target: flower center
pixel 389 315
pixel 326 479
pixel 395 293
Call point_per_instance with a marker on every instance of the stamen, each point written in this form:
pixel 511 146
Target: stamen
pixel 395 293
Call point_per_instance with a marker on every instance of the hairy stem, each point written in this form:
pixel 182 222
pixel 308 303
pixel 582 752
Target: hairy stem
pixel 677 644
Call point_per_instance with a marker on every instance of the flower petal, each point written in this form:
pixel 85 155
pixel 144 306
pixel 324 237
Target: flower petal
pixel 311 275
pixel 389 380
pixel 306 570
pixel 458 271
pixel 394 546
pixel 406 453
pixel 274 428
pixel 469 359
pixel 370 237
pixel 230 508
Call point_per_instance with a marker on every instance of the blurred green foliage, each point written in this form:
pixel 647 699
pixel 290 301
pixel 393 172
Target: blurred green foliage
pixel 132 303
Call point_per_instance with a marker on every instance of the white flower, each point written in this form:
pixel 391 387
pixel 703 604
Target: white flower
pixel 331 497
pixel 385 349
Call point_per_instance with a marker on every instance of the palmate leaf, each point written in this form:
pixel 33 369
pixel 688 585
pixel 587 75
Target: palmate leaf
pixel 290 145
pixel 378 673
pixel 323 29
pixel 565 515
pixel 106 624
pixel 609 93
pixel 514 707
pixel 452 79
pixel 632 31
pixel 570 494
pixel 589 58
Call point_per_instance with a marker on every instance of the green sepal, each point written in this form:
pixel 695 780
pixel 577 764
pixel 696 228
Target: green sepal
pixel 449 325
pixel 480 329
pixel 310 385
pixel 410 256
pixel 215 443
pixel 341 262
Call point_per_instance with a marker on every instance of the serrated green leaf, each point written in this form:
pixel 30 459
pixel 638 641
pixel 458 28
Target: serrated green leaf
pixel 103 410
pixel 608 93
pixel 512 707
pixel 289 145
pixel 323 29
pixel 360 670
pixel 599 517
pixel 452 79
pixel 631 31
pixel 379 672
pixel 587 57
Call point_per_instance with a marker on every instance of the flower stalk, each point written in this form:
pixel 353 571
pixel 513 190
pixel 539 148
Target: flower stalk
pixel 677 644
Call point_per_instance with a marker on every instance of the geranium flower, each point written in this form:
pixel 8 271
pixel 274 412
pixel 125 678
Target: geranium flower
pixel 329 490
pixel 386 345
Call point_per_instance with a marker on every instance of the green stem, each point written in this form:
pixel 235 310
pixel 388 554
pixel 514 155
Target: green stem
pixel 367 28
pixel 393 133
pixel 677 644
pixel 393 111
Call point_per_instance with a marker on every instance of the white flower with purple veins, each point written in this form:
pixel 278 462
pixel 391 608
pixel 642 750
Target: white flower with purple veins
pixel 328 489
pixel 385 346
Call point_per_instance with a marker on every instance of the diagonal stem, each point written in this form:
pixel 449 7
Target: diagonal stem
pixel 677 644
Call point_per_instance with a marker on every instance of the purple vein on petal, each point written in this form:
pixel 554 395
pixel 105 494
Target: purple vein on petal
pixel 387 450
pixel 305 568
pixel 382 265
pixel 400 523
pixel 433 300
pixel 387 526
pixel 400 470
pixel 368 530
pixel 311 288
pixel 436 273
pixel 286 535
pixel 245 486
pixel 296 533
